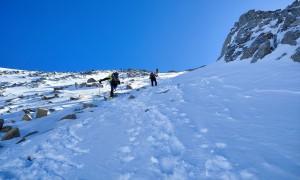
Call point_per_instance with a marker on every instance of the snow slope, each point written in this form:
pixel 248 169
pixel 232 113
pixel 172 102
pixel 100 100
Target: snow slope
pixel 224 121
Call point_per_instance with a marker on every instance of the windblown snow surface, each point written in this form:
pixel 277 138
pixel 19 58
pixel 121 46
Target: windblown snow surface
pixel 224 121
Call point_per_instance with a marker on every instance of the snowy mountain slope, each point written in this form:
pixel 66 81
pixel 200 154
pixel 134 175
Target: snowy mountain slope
pixel 224 121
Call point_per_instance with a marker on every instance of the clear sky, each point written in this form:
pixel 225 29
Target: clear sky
pixel 77 35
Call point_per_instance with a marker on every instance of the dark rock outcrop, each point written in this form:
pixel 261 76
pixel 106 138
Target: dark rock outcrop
pixel 6 129
pixel 296 56
pixel 91 80
pixel 12 133
pixel 27 117
pixel 85 105
pixel 131 97
pixel 291 37
pixel 41 112
pixel 1 123
pixel 70 116
pixel 258 33
pixel 128 87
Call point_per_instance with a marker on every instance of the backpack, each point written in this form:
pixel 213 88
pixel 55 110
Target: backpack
pixel 115 77
pixel 152 76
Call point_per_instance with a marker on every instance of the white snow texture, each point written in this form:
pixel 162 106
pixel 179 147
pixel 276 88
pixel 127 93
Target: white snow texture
pixel 224 121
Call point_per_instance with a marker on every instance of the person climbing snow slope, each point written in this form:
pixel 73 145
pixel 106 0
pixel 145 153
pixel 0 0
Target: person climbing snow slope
pixel 114 82
pixel 153 79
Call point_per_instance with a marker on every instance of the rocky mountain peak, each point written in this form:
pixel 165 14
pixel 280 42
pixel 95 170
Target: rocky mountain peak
pixel 258 33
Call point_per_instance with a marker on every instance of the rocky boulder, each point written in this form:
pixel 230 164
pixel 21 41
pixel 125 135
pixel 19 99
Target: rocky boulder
pixel 85 105
pixel 82 85
pixel 131 97
pixel 41 112
pixel 291 38
pixel 27 117
pixel 128 87
pixel 92 85
pixel 13 133
pixel 262 51
pixel 296 56
pixel 70 116
pixel 91 80
pixel 5 129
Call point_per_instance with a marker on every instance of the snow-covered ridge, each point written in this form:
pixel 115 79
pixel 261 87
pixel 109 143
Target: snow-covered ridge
pixel 260 33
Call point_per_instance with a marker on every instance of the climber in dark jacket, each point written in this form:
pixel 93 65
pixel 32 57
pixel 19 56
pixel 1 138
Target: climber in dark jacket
pixel 114 82
pixel 153 78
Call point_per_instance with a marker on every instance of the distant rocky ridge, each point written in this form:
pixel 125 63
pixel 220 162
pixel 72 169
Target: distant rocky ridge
pixel 39 77
pixel 259 33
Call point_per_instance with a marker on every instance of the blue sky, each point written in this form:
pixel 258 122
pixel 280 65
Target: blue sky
pixel 76 35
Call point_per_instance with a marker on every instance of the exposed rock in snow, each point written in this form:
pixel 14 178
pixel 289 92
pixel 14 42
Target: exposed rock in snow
pixel 70 116
pixel 27 117
pixel 12 133
pixel 128 87
pixel 41 112
pixel 91 80
pixel 131 97
pixel 296 56
pixel 5 129
pixel 258 33
pixel 86 105
pixel 1 123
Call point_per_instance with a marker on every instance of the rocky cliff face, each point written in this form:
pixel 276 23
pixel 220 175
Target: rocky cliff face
pixel 259 33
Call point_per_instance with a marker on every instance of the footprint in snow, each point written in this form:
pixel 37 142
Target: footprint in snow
pixel 220 145
pixel 216 166
pixel 204 130
pixel 125 154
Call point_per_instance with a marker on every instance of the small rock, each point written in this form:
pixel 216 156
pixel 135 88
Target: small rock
pixel 41 112
pixel 6 129
pixel 128 87
pixel 89 105
pixel 45 98
pixel 131 97
pixel 27 117
pixel 29 158
pixel 1 123
pixel 70 116
pixel 92 85
pixel 13 133
pixel 82 85
pixel 91 80
pixel 12 121
pixel 58 89
pixel 73 99
pixel 10 100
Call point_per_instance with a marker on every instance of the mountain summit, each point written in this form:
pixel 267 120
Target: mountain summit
pixel 260 33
